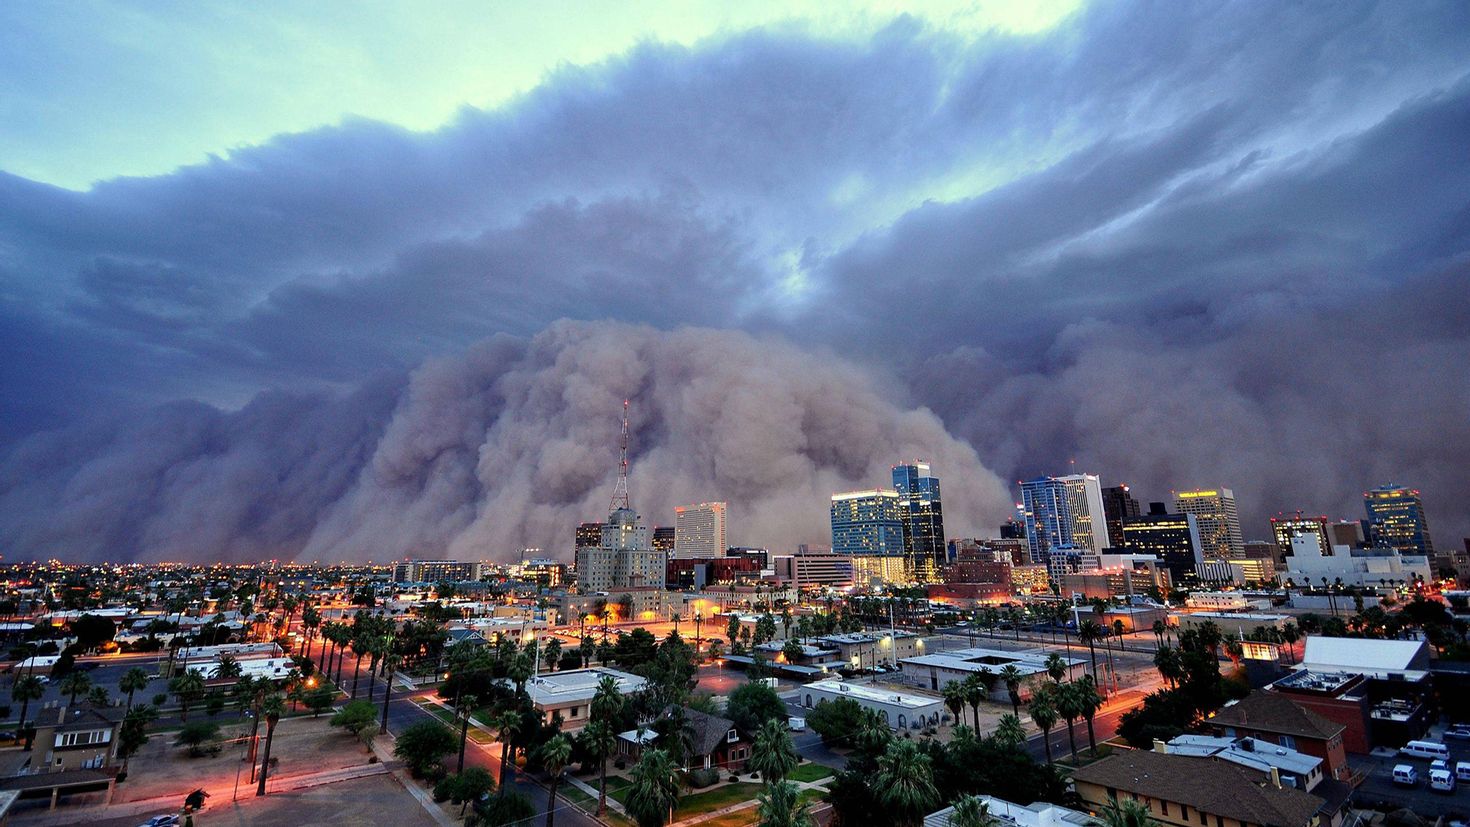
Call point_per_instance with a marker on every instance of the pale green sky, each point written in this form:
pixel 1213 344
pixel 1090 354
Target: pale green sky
pixel 96 90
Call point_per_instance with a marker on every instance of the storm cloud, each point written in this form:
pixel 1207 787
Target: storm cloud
pixel 1179 245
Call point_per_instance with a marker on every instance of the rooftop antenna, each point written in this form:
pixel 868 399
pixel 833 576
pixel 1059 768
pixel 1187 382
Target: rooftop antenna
pixel 620 491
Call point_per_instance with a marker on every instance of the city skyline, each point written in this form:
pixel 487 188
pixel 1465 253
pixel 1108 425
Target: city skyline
pixel 283 285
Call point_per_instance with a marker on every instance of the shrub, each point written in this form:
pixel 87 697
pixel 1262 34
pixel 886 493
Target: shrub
pixel 445 788
pixel 703 777
pixel 356 716
pixel 160 699
pixel 506 808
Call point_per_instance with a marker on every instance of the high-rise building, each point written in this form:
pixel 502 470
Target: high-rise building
pixel 1089 519
pixel 1397 516
pixel 1347 533
pixel 1219 524
pixel 867 522
pixel 434 571
pixel 1285 527
pixel 923 520
pixel 589 535
pixel 625 557
pixel 1118 505
pixel 699 531
pixel 1048 518
pixel 1173 538
pixel 663 538
pixel 1013 529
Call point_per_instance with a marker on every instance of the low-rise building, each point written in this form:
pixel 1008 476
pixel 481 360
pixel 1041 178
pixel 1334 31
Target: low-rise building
pixel 569 694
pixel 864 650
pixel 1238 623
pixel 1275 718
pixel 1189 791
pixel 1293 768
pixel 935 670
pixel 900 710
pixel 1011 814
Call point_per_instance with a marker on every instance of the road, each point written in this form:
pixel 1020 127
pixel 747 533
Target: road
pixel 1378 786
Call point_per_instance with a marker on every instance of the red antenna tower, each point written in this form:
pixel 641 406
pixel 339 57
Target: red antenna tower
pixel 620 491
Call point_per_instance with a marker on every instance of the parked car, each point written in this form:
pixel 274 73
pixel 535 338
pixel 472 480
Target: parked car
pixel 161 821
pixel 796 724
pixel 1460 732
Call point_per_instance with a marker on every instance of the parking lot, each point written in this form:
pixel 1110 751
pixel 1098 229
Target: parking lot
pixel 1379 787
pixel 105 672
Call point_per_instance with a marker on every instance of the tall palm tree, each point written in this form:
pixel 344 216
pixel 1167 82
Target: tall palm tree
pixel 1009 731
pixel 271 708
pixel 506 723
pixel 228 667
pixel 970 811
pixel 133 680
pixel 1044 712
pixel 186 688
pixel 905 784
pixel 1056 667
pixel 954 698
pixel 1159 627
pixel 556 753
pixel 1128 813
pixel 598 740
pixel 1090 633
pixel 974 694
pixel 781 806
pixel 773 754
pixel 463 706
pixel 1169 664
pixel 1012 677
pixel 360 646
pixel 1088 701
pixel 27 688
pixel 607 701
pixel 1069 706
pixel 389 659
pixel 654 790
pixel 74 684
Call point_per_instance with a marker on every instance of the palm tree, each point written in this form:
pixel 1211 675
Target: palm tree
pixel 27 688
pixel 360 646
pixel 974 694
pixel 970 811
pixel 1291 634
pixel 74 684
pixel 506 723
pixel 556 753
pixel 1088 700
pixel 1069 706
pixel 271 708
pixel 1169 664
pixel 607 702
pixel 228 667
pixel 1044 712
pixel 773 755
pixel 598 739
pixel 905 784
pixel 388 657
pixel 781 806
pixel 133 680
pixel 186 688
pixel 654 790
pixel 1090 633
pixel 463 706
pixel 1009 731
pixel 954 698
pixel 1127 813
pixel 1012 677
pixel 1056 667
pixel 1159 628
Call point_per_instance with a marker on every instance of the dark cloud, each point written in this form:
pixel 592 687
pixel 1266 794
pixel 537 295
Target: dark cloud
pixel 1180 245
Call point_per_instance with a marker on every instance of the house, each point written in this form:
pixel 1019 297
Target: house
pixel 74 750
pixel 1189 791
pixel 714 742
pixel 569 694
pixel 1009 814
pixel 1273 717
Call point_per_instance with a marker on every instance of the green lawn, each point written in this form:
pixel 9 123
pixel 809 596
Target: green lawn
pixel 739 818
pixel 811 772
pixel 617 788
pixel 813 796
pixel 704 802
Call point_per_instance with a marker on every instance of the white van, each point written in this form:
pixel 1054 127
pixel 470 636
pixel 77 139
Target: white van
pixel 1405 775
pixel 1442 780
pixel 1426 749
pixel 1462 770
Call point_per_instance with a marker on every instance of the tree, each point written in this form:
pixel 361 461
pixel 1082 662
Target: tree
pixel 506 723
pixel 970 811
pixel 1044 712
pixel 463 708
pixel 1012 677
pixel 196 735
pixel 74 684
pixel 654 790
pixel 355 716
pixel 1090 633
pixel 553 653
pixel 905 784
pixel 1088 702
pixel 133 680
pixel 271 708
pixel 752 704
pixel 1009 731
pixel 26 689
pixel 422 745
pixel 134 731
pixel 1056 667
pixel 791 650
pixel 320 699
pixel 470 786
pixel 555 754
pixel 954 698
pixel 598 740
pixel 781 806
pixel 186 688
pixel 1169 664
pixel 773 755
pixel 838 720
pixel 228 667
pixel 1069 705
pixel 1127 813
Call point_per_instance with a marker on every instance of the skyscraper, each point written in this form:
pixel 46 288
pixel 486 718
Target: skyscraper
pixel 923 520
pixel 1397 516
pixel 1173 538
pixel 663 538
pixel 1048 518
pixel 699 531
pixel 1284 527
pixel 867 522
pixel 624 556
pixel 1219 524
pixel 1089 520
pixel 1118 505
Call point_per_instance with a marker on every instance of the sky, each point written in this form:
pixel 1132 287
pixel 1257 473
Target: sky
pixel 338 281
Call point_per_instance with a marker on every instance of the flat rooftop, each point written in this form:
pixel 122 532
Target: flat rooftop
pixel 579 685
pixel 977 659
pixel 874 694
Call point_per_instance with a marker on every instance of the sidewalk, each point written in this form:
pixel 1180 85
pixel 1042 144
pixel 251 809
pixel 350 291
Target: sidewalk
pixel 385 755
